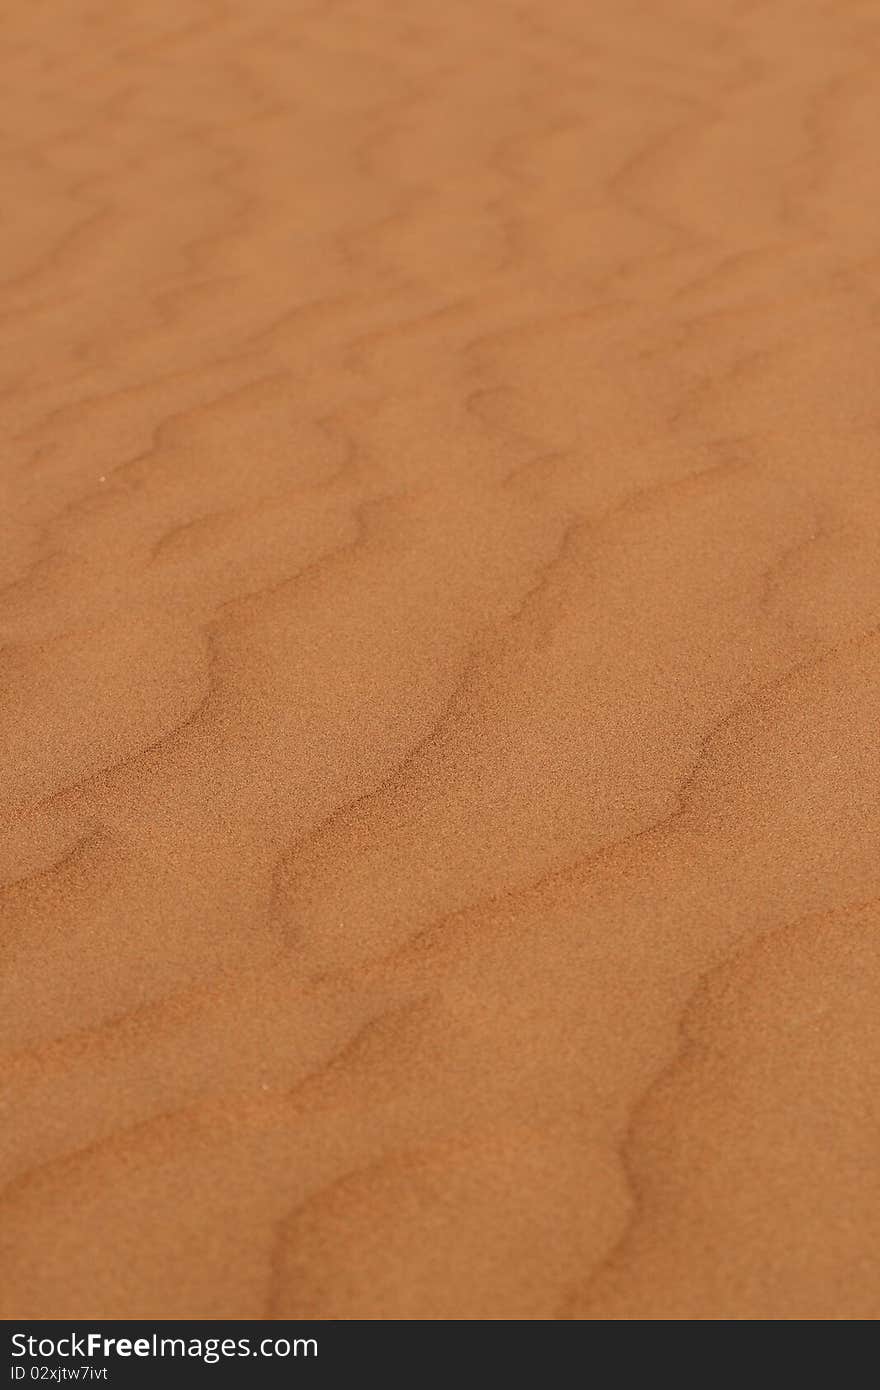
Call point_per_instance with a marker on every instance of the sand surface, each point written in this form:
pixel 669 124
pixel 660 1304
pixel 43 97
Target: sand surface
pixel 440 659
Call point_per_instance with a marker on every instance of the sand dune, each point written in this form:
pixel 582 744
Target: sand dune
pixel 440 660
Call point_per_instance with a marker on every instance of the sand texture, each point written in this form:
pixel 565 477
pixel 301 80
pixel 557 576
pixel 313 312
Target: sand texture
pixel 440 660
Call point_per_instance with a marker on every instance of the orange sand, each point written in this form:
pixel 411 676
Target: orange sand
pixel 440 660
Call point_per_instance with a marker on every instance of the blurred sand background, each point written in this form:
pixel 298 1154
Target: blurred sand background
pixel 440 659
